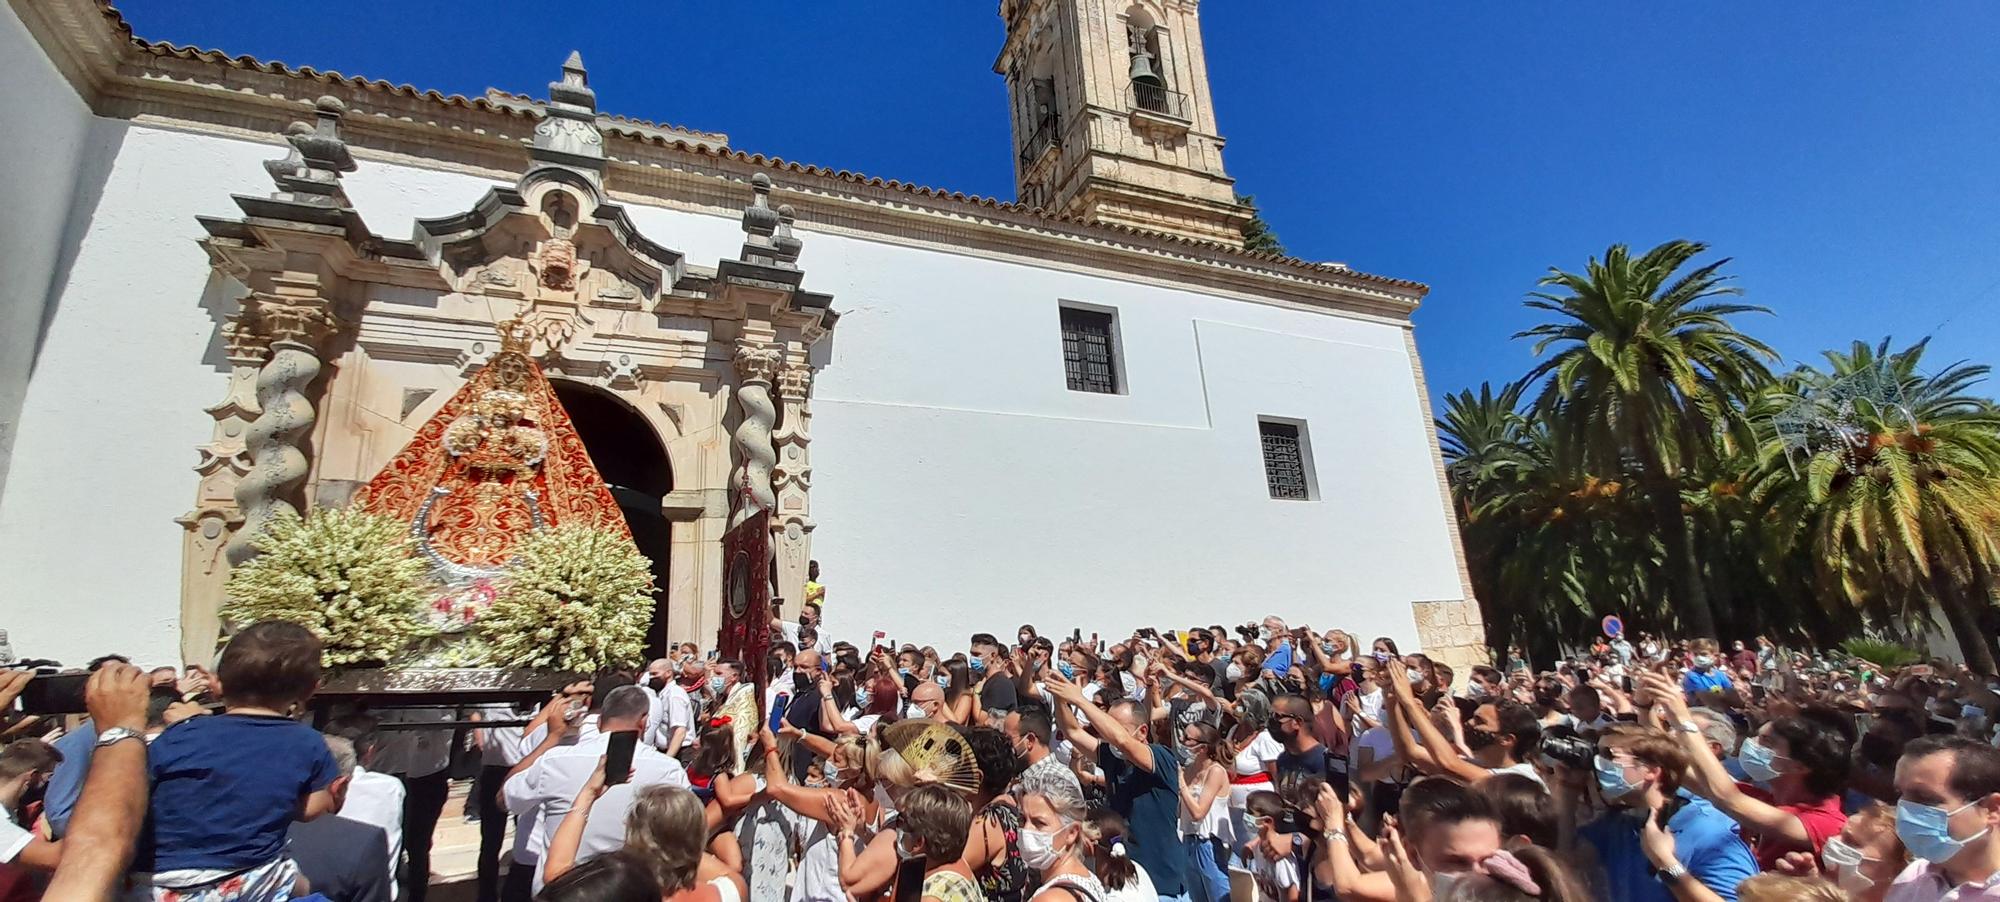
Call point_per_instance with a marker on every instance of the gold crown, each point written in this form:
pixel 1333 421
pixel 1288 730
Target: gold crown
pixel 515 336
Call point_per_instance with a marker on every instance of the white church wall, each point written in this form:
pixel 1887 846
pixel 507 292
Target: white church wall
pixel 958 484
pixel 41 154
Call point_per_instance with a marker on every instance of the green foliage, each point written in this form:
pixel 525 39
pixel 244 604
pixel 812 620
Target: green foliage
pixel 576 599
pixel 1886 655
pixel 1257 235
pixel 346 575
pixel 1636 470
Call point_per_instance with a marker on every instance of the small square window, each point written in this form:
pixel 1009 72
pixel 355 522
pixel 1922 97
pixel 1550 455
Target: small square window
pixel 1287 459
pixel 1090 350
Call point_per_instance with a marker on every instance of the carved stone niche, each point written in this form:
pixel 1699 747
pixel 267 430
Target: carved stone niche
pixel 552 241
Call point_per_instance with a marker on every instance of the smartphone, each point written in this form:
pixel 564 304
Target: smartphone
pixel 909 883
pixel 618 756
pixel 778 706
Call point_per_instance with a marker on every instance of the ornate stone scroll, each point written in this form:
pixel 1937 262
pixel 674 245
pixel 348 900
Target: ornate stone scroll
pixel 791 483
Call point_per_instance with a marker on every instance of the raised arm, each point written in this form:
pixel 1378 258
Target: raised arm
pixel 1060 687
pixel 1712 781
pixel 1333 862
pixel 1440 759
pixel 778 784
pixel 1108 728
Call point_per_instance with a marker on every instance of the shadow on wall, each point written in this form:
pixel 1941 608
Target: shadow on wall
pixel 107 137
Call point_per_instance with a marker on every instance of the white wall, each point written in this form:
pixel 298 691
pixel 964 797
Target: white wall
pixel 40 152
pixel 958 484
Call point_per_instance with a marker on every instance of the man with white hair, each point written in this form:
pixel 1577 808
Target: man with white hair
pixel 672 716
pixel 1277 639
pixel 345 860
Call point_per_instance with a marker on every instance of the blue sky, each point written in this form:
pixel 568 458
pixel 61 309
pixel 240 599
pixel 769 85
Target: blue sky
pixel 1846 154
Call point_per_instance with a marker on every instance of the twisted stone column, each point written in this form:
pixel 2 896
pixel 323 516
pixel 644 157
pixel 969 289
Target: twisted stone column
pixel 277 463
pixel 756 365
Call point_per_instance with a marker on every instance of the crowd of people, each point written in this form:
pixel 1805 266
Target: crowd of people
pixel 1257 762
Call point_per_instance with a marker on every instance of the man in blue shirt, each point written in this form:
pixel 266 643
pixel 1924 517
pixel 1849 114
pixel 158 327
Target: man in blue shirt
pixel 1141 780
pixel 1278 657
pixel 1638 774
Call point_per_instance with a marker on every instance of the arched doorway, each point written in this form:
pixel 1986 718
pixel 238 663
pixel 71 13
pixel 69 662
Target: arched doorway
pixel 629 456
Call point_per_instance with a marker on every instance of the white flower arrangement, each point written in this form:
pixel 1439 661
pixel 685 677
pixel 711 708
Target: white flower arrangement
pixel 576 599
pixel 347 575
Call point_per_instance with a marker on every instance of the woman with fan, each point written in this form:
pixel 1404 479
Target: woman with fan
pixel 899 759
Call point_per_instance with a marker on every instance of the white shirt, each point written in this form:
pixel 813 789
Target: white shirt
pixel 12 838
pixel 377 800
pixel 549 786
pixel 415 753
pixel 674 709
pixel 1274 877
pixel 1138 889
pixel 499 746
pixel 1524 768
pixel 822 644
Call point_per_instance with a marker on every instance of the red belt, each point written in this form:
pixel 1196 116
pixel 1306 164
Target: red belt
pixel 1249 779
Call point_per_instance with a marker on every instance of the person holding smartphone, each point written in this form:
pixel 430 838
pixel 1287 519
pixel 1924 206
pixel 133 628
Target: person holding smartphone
pixel 550 784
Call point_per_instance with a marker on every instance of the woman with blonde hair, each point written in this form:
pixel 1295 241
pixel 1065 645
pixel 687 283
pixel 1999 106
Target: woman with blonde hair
pixel 1055 837
pixel 664 830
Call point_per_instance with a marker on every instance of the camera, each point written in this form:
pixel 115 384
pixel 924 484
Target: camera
pixel 54 692
pixel 1562 746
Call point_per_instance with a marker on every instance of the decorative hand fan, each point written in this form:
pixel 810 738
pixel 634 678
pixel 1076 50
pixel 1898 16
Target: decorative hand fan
pixel 917 752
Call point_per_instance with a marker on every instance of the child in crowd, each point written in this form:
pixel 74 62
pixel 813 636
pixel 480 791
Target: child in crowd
pixel 1272 860
pixel 226 787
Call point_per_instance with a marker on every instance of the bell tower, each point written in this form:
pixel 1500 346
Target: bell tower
pixel 1112 116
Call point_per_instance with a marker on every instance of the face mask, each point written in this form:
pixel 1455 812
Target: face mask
pixel 1475 690
pixel 1234 672
pixel 1038 849
pixel 978 665
pixel 1444 886
pixel 1264 634
pixel 903 671
pixel 1068 670
pixel 1611 779
pixel 1758 761
pixel 1926 831
pixel 943 680
pixel 715 684
pixel 1476 738
pixel 1846 861
pixel 1416 677
pixel 1184 754
pixel 1704 662
pixel 862 696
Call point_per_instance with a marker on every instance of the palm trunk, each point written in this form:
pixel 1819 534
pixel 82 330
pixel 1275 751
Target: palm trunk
pixel 1691 601
pixel 1963 619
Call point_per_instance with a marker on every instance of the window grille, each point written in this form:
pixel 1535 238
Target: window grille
pixel 1088 356
pixel 1284 461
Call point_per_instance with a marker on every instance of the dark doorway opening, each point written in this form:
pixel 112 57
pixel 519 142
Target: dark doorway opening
pixel 629 456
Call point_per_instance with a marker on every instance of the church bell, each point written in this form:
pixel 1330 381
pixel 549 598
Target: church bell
pixel 1142 70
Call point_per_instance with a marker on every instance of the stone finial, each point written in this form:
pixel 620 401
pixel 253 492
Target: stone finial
pixel 784 245
pixel 573 89
pixel 760 223
pixel 310 173
pixel 567 136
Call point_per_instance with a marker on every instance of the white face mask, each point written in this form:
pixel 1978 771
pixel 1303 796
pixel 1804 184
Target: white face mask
pixel 1234 672
pixel 1445 886
pixel 1038 849
pixel 1845 861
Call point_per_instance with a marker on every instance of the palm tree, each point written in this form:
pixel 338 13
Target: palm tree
pixel 1645 374
pixel 1890 481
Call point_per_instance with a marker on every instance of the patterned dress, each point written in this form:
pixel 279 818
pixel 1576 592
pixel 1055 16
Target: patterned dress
pixel 1006 878
pixel 946 886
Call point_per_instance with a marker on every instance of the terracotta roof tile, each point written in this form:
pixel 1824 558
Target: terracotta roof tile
pixel 630 128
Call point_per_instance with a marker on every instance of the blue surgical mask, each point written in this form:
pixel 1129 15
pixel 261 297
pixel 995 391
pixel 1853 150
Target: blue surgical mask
pixel 715 684
pixel 861 699
pixel 1068 669
pixel 904 671
pixel 978 665
pixel 1926 831
pixel 1611 779
pixel 1758 761
pixel 943 680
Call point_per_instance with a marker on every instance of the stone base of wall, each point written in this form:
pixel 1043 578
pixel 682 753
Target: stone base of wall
pixel 1453 633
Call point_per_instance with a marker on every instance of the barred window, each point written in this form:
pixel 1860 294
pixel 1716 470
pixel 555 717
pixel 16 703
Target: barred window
pixel 1089 351
pixel 1286 464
